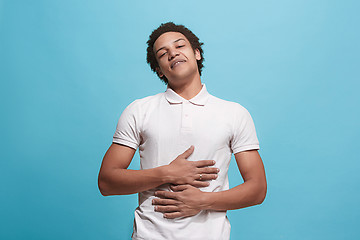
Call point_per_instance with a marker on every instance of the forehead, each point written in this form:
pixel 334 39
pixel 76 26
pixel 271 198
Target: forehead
pixel 168 38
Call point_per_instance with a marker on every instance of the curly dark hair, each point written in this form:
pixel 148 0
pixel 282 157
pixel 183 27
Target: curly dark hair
pixel 172 27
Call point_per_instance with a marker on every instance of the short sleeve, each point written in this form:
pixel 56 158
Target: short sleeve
pixel 128 128
pixel 244 134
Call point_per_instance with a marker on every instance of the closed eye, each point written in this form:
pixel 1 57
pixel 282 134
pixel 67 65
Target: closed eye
pixel 180 46
pixel 162 54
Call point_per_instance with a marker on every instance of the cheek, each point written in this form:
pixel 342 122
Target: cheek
pixel 191 54
pixel 161 64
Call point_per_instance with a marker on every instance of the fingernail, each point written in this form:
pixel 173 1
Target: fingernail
pixel 218 170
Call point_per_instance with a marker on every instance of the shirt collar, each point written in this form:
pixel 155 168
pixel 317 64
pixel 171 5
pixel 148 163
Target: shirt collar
pixel 200 99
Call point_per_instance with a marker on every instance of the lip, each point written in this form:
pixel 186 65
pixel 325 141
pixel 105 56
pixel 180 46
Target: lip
pixel 174 63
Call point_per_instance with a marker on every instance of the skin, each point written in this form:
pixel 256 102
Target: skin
pixel 186 200
pixel 183 78
pixel 116 179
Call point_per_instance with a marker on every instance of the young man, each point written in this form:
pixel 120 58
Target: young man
pixel 185 138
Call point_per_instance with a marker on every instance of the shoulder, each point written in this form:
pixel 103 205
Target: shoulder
pixel 136 111
pixel 145 102
pixel 228 106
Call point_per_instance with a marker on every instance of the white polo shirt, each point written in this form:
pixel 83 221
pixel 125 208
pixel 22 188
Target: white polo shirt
pixel 165 125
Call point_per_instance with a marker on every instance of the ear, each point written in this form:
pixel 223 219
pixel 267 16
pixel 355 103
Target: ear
pixel 159 72
pixel 197 54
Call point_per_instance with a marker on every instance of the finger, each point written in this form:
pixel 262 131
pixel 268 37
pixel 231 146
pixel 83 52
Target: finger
pixel 188 152
pixel 207 177
pixel 209 170
pixel 204 163
pixel 165 194
pixel 162 201
pixel 166 209
pixel 200 184
pixel 173 215
pixel 179 188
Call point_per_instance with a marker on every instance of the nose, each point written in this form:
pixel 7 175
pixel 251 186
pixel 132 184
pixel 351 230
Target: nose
pixel 173 52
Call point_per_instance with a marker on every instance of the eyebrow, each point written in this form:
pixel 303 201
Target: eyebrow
pixel 173 42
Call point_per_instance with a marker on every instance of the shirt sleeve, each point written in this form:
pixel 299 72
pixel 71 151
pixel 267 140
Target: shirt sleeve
pixel 244 134
pixel 128 128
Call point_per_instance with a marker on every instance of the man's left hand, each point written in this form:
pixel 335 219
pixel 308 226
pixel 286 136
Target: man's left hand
pixel 185 201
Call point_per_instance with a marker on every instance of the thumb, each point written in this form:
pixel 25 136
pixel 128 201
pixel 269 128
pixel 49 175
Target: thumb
pixel 188 152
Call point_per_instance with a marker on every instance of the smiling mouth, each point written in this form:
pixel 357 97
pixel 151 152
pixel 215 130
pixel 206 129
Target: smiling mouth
pixel 174 64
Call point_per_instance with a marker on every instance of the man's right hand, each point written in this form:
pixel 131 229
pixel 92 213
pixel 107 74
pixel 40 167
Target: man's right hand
pixel 116 179
pixel 195 173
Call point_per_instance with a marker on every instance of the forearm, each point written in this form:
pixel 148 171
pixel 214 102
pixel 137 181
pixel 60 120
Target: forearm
pixel 126 181
pixel 244 195
pixel 251 192
pixel 116 179
pixel 186 201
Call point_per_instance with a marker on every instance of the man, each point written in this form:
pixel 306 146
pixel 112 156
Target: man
pixel 185 138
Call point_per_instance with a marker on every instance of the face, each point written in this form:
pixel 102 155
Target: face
pixel 175 56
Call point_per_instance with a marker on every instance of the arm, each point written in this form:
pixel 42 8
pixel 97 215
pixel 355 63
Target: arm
pixel 115 179
pixel 188 201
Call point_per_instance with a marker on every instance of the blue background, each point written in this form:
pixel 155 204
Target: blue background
pixel 69 68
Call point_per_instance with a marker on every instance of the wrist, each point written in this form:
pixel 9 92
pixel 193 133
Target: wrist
pixel 165 175
pixel 206 200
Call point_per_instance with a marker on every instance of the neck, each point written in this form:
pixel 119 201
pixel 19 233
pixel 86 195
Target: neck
pixel 187 89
